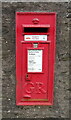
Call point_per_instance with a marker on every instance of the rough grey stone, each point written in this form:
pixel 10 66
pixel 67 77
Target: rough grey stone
pixel 35 0
pixel 60 109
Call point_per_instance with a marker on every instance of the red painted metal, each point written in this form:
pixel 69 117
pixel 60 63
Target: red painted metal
pixel 35 88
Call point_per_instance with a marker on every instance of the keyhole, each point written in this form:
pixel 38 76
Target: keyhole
pixel 26 75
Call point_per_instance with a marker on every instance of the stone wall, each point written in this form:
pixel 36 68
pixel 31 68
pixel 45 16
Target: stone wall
pixel 60 109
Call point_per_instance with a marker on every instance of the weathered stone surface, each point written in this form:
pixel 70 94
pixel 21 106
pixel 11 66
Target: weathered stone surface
pixel 60 109
pixel 0 60
pixel 35 1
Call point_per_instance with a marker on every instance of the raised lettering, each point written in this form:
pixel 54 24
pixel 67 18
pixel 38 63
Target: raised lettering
pixel 29 87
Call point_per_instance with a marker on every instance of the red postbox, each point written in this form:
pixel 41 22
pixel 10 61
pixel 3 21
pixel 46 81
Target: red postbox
pixel 35 55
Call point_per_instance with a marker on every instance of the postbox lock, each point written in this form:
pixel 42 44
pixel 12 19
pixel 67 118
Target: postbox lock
pixel 35 20
pixel 28 77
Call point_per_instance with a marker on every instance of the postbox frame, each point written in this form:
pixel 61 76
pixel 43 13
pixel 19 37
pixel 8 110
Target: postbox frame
pixel 18 60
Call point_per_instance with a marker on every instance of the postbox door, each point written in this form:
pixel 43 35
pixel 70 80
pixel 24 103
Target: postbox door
pixel 35 74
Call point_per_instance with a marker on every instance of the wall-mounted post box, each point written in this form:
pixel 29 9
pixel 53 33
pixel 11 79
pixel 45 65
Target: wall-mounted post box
pixel 35 54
